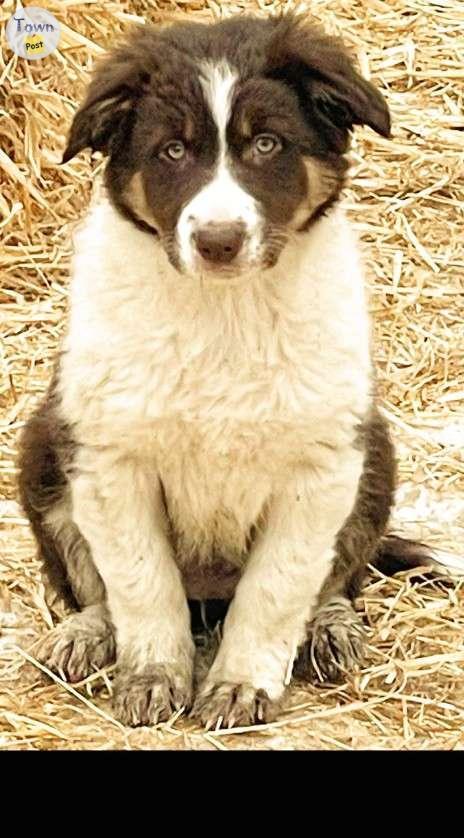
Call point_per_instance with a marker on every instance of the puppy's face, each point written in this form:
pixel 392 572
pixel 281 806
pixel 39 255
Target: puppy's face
pixel 225 139
pixel 222 175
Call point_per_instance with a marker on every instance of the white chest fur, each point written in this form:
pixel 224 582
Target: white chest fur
pixel 223 385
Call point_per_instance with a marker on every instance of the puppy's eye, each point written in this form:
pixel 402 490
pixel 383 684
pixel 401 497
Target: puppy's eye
pixel 175 150
pixel 266 144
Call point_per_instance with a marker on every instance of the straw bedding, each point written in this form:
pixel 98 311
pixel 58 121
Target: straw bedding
pixel 406 199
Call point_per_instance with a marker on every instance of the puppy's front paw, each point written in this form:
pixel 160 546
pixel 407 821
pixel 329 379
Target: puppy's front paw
pixel 233 705
pixel 151 696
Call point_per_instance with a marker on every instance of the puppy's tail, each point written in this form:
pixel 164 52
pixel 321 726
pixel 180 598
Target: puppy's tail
pixel 396 553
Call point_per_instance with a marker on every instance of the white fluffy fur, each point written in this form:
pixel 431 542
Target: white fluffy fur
pixel 222 199
pixel 242 397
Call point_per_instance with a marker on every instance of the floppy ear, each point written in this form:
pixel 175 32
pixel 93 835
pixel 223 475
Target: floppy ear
pixel 96 122
pixel 105 115
pixel 329 88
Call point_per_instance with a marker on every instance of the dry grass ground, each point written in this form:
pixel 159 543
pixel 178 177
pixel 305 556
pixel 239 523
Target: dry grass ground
pixel 406 198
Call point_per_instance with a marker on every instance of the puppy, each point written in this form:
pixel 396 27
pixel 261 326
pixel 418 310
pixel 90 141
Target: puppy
pixel 211 429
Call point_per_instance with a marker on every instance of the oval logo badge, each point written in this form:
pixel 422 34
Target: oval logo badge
pixel 33 32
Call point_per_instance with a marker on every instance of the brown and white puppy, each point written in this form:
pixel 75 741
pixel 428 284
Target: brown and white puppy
pixel 210 431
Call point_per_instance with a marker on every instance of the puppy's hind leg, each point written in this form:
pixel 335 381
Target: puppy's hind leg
pixel 85 641
pixel 336 636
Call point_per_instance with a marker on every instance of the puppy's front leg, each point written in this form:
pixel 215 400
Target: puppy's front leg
pixel 277 595
pixel 118 507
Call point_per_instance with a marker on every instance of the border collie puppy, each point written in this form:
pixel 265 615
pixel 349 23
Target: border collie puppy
pixel 211 431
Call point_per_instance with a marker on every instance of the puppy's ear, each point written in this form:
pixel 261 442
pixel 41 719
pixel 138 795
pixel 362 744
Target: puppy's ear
pixel 330 90
pixel 106 112
pixel 96 122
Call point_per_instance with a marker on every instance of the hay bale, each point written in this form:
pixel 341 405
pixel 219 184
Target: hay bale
pixel 406 200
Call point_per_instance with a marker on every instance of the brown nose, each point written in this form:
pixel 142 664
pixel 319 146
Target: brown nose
pixel 219 243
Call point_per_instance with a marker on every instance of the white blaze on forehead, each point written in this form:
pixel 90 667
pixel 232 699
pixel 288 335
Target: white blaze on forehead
pixel 222 199
pixel 218 82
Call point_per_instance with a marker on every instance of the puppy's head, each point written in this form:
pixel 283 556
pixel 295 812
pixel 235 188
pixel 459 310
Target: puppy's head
pixel 224 138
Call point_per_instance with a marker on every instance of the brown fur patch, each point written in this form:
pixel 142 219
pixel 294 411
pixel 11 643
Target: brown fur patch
pixel 359 539
pixel 46 456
